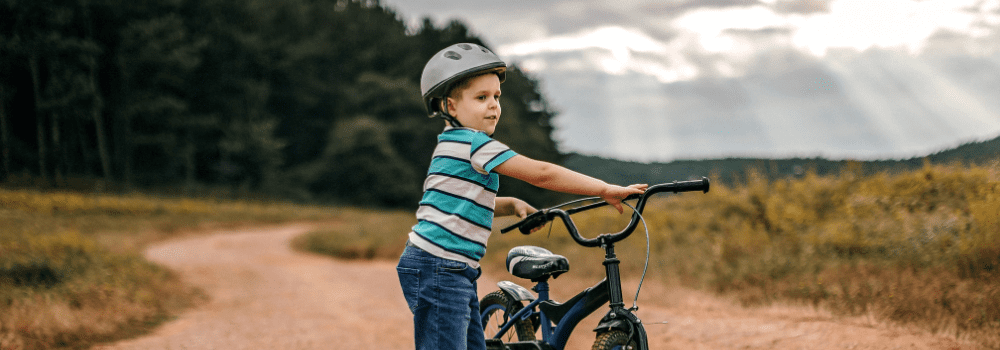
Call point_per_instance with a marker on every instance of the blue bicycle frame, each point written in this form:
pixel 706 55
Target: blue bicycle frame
pixel 579 307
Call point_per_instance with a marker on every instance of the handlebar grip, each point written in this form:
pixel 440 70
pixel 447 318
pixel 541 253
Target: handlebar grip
pixel 694 185
pixel 528 223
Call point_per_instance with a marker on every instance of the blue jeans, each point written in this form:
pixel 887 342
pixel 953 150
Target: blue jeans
pixel 442 296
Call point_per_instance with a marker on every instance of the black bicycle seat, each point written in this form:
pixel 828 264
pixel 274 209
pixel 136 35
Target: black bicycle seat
pixel 535 263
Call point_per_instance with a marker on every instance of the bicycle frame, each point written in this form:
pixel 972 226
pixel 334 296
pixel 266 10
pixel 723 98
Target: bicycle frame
pixel 568 315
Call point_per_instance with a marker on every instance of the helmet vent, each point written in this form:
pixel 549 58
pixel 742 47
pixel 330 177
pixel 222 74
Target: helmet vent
pixel 465 46
pixel 453 55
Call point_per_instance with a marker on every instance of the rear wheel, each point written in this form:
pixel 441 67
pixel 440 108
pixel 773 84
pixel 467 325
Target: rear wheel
pixel 614 340
pixel 496 309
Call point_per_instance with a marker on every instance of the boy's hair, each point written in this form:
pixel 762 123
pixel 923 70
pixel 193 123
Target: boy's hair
pixel 456 89
pixel 463 84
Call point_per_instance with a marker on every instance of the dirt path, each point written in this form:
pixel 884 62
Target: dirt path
pixel 263 295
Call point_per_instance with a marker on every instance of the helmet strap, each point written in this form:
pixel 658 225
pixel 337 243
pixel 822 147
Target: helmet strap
pixel 448 117
pixel 451 120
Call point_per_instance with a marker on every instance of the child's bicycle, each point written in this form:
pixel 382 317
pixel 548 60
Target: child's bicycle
pixel 504 316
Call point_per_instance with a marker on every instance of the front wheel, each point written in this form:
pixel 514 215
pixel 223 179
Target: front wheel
pixel 614 340
pixel 496 309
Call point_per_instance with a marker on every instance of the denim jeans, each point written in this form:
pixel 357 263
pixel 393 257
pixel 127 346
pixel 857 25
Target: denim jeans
pixel 442 296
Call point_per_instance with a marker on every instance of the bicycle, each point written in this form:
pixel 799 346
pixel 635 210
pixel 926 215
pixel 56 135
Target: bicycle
pixel 619 329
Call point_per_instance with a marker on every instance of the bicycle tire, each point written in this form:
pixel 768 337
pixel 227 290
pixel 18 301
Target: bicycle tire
pixel 614 340
pixel 496 307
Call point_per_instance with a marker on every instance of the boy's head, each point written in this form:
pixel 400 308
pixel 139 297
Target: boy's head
pixel 475 102
pixel 456 71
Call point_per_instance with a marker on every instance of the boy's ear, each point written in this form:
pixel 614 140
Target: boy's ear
pixel 448 105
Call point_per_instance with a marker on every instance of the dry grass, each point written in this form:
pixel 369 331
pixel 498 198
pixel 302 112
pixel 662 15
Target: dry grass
pixel 361 234
pixel 71 273
pixel 920 248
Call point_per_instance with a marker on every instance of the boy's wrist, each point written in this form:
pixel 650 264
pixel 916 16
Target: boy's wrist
pixel 605 188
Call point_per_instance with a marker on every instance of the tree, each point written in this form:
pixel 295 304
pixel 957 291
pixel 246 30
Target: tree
pixel 4 135
pixel 363 168
pixel 155 59
pixel 5 93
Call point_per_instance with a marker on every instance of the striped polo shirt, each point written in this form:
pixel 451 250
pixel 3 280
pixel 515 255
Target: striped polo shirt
pixel 455 216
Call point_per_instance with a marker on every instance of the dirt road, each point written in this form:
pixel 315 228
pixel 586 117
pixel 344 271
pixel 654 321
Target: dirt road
pixel 263 295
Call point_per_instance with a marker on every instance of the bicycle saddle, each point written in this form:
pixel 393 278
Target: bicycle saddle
pixel 535 263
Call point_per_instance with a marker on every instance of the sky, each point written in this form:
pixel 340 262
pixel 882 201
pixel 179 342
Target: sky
pixel 665 80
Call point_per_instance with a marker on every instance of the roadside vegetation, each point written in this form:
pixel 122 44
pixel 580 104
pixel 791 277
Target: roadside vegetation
pixel 71 270
pixel 364 234
pixel 920 247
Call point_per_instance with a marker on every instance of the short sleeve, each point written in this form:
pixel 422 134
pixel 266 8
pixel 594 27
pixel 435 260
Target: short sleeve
pixel 487 153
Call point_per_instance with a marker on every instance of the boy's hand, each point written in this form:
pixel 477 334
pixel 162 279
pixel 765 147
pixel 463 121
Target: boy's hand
pixel 522 209
pixel 614 194
pixel 513 206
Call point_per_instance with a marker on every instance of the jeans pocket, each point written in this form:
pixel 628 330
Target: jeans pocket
pixel 453 278
pixel 453 266
pixel 409 280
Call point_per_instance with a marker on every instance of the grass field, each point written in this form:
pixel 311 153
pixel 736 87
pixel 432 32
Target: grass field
pixel 71 273
pixel 919 248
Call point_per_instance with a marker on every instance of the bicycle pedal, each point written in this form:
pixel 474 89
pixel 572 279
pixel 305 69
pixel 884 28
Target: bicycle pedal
pixel 528 345
pixel 495 344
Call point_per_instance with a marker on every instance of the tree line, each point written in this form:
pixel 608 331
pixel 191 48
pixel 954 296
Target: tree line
pixel 736 171
pixel 314 100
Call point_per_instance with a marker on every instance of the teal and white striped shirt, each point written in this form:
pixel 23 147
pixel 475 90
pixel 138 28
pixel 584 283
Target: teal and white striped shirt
pixel 455 216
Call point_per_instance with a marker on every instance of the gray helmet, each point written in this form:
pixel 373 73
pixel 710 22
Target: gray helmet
pixel 451 65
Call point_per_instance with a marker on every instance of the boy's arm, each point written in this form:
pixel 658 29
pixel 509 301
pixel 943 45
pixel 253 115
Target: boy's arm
pixel 553 177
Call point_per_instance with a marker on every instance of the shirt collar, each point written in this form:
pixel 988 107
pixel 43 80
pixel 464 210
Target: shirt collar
pixel 448 128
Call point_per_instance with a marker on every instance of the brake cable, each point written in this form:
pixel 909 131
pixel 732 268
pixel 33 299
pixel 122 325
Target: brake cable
pixel 550 232
pixel 646 265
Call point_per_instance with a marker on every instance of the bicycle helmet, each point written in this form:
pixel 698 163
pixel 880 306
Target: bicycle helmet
pixel 451 65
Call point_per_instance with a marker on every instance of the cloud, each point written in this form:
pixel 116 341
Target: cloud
pixel 815 25
pixel 613 50
pixel 720 38
pixel 618 40
pixel 713 29
pixel 800 6
pixel 862 24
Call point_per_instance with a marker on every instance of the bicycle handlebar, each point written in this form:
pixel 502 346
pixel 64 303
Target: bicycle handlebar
pixel 539 218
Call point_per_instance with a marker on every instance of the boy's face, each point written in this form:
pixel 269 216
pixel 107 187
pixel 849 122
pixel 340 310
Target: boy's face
pixel 478 106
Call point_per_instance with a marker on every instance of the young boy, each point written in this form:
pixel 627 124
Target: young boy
pixel 440 265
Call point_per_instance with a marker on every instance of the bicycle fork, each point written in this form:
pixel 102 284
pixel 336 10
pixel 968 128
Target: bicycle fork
pixel 619 317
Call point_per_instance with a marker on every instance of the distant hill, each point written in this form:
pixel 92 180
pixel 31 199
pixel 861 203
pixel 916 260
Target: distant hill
pixel 731 170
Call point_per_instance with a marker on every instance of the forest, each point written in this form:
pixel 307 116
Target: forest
pixel 303 100
pixel 736 171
